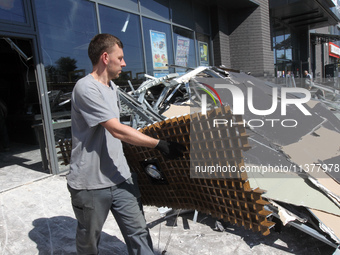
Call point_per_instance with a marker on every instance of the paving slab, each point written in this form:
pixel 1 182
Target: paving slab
pixel 37 218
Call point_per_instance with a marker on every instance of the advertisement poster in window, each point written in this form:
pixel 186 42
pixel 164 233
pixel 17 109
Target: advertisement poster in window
pixel 203 53
pixel 159 50
pixel 182 51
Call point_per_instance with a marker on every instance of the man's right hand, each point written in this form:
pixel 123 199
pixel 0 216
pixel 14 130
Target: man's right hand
pixel 170 150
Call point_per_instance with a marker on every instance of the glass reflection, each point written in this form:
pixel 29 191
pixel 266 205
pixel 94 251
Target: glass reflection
pixel 184 47
pixel 126 27
pixel 283 54
pixel 125 4
pixel 181 13
pixel 201 15
pixel 64 36
pixel 156 8
pixel 158 47
pixel 203 52
pixel 13 11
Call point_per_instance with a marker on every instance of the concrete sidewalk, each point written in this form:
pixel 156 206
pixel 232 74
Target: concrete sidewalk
pixel 37 218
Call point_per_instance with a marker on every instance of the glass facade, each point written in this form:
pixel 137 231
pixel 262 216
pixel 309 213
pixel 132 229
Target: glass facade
pixel 201 17
pixel 159 37
pixel 156 34
pixel 126 26
pixel 185 50
pixel 158 47
pixel 181 13
pixel 129 5
pixel 156 8
pixel 287 54
pixel 64 36
pixel 13 11
pixel 282 45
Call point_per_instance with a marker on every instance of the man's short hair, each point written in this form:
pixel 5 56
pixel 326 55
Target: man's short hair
pixel 102 43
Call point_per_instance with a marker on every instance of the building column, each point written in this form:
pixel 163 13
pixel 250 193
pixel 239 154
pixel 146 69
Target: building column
pixel 220 37
pixel 242 39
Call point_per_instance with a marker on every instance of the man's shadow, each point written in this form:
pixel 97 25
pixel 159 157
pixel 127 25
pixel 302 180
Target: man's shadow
pixel 56 235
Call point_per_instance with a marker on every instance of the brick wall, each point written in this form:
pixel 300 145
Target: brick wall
pixel 243 39
pixel 220 37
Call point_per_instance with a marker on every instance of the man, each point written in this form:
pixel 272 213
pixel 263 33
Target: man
pixel 308 80
pixel 99 179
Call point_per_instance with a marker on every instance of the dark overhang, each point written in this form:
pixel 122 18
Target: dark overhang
pixel 302 14
pixel 317 38
pixel 232 4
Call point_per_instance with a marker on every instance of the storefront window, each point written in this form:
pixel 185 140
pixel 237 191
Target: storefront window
pixel 181 13
pixel 158 47
pixel 65 36
pixel 156 8
pixel 126 4
pixel 65 30
pixel 12 11
pixel 287 51
pixel 282 53
pixel 280 46
pixel 203 52
pixel 126 27
pixel 184 47
pixel 201 15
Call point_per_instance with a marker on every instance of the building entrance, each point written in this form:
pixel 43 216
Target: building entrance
pixel 20 157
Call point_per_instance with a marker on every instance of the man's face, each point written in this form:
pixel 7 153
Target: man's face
pixel 115 62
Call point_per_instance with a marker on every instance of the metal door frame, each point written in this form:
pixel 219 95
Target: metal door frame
pixel 43 98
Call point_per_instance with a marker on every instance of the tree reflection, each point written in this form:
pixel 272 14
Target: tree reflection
pixel 65 70
pixel 66 65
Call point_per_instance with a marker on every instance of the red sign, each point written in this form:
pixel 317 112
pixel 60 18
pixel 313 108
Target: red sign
pixel 334 50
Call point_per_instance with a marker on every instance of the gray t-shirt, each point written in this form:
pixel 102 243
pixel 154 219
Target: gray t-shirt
pixel 97 159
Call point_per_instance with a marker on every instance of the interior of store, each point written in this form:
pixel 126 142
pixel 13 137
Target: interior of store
pixel 18 92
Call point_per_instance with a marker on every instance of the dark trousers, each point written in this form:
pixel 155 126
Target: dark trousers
pixel 91 208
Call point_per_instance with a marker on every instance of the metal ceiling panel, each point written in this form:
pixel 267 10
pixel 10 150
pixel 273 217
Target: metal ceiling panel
pixel 300 14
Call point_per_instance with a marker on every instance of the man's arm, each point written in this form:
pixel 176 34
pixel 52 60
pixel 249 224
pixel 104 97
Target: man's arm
pixel 170 150
pixel 128 134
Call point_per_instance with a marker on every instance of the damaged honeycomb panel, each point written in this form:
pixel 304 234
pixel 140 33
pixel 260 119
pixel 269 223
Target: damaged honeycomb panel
pixel 228 199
